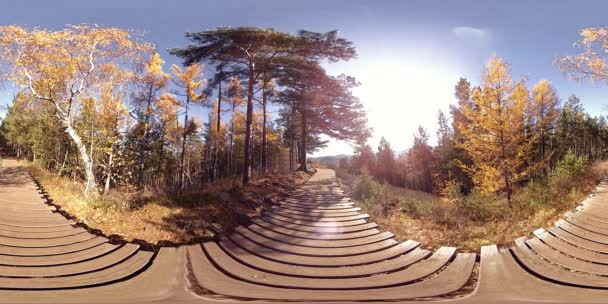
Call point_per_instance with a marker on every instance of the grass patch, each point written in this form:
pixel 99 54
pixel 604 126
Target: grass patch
pixel 471 221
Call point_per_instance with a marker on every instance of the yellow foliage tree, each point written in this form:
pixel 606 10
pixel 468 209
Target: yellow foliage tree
pixel 112 118
pixel 191 83
pixel 494 135
pixel 68 66
pixel 235 94
pixel 544 112
pixel 592 62
pixel 151 85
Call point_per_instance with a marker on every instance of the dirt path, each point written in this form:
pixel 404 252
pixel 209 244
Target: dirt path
pixel 9 163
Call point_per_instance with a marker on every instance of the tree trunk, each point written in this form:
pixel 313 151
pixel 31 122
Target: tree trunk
pixel 86 159
pixel 161 151
pixel 291 166
pixel 231 143
pixel 143 142
pixel 248 123
pixel 180 182
pixel 109 171
pixel 218 127
pixel 65 158
pixel 304 134
pixel 264 140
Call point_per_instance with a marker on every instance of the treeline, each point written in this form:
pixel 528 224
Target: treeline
pixel 97 105
pixel 499 134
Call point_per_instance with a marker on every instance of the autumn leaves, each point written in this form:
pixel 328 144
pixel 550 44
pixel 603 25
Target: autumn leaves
pixel 503 133
pixel 131 124
pixel 67 66
pixel 501 125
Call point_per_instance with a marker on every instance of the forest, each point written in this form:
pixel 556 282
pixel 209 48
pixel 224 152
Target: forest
pixel 510 156
pixel 499 135
pixel 104 121
pixel 97 104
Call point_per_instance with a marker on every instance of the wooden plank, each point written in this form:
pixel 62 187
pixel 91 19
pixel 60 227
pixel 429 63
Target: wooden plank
pixel 316 234
pixel 314 223
pixel 106 276
pixel 311 218
pixel 317 229
pixel 52 242
pixel 397 277
pixel 543 269
pixel 569 249
pixel 42 234
pixel 291 239
pixel 314 251
pixel 449 280
pixel 59 259
pixel 564 260
pixel 578 241
pixel 96 264
pixel 314 212
pixel 412 256
pixel 582 232
pixel 294 259
pixel 8 250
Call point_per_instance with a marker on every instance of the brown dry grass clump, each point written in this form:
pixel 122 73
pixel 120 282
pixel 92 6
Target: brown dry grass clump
pixel 476 220
pixel 155 217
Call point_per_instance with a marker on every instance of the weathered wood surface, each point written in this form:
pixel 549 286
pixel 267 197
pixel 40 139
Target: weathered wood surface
pixel 316 246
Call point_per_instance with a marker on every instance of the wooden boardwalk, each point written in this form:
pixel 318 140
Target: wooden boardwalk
pixel 316 246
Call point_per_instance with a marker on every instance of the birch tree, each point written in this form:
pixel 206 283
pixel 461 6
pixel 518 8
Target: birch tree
pixel 67 66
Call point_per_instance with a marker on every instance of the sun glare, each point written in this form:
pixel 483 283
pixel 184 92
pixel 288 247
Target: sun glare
pixel 400 93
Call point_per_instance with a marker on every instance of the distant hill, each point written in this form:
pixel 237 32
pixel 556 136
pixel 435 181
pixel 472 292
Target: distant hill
pixel 331 160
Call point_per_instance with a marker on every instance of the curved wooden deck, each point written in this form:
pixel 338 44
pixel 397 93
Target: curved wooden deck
pixel 316 246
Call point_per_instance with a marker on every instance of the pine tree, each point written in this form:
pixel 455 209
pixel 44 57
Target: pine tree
pixel 544 114
pixel 494 134
pixel 459 158
pixel 385 163
pixel 421 161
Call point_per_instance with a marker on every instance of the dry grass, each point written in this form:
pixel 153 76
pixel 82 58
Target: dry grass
pixel 445 223
pixel 156 218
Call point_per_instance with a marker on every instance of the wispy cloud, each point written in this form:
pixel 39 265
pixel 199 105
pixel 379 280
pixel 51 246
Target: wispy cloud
pixel 471 33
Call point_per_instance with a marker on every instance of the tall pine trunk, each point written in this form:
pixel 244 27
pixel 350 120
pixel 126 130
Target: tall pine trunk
pixel 231 143
pixel 248 123
pixel 217 139
pixel 264 140
pixel 304 135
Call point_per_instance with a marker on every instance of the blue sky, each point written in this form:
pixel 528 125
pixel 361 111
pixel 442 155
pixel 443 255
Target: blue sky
pixel 411 53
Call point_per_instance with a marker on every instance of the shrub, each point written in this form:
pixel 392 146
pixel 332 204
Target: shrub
pixel 479 205
pixel 452 190
pixel 567 167
pixel 536 194
pixel 371 194
pixel 367 188
pixel 415 206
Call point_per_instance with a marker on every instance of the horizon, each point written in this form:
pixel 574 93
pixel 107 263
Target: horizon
pixel 410 54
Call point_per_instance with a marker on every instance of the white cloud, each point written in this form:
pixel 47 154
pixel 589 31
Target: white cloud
pixel 471 33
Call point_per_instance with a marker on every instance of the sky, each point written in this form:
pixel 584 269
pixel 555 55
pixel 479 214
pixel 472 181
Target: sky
pixel 410 53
